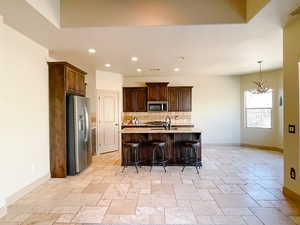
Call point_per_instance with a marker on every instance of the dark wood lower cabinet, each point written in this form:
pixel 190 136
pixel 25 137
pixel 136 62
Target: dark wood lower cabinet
pixel 174 146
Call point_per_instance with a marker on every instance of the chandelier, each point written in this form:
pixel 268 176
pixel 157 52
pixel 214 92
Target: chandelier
pixel 260 83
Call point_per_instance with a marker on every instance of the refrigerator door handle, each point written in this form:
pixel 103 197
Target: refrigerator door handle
pixel 87 125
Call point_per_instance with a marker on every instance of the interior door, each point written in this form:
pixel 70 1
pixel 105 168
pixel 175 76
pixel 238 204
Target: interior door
pixel 108 122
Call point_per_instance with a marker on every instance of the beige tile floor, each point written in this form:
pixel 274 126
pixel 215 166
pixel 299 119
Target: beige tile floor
pixel 236 186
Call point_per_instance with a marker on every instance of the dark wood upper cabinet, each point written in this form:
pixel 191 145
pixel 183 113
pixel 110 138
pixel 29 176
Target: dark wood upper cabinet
pixel 180 99
pixel 64 79
pixel 185 99
pixel 173 99
pixel 135 99
pixel 71 76
pixel 157 91
pixel 80 84
pixel 75 81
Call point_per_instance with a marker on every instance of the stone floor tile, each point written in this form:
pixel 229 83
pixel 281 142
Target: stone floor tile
pixel 15 217
pixel 204 220
pixel 271 216
pixel 158 211
pixel 237 212
pixel 232 181
pixel 180 216
pixel 122 207
pixel 206 208
pixel 90 215
pixel 226 220
pixel 162 189
pixel 230 188
pixel 157 219
pixel 134 219
pixel 235 200
pixel 96 188
pixel 65 218
pixel 252 220
pixel 41 219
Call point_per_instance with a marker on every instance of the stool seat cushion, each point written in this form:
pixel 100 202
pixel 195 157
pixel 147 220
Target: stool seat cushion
pixel 191 143
pixel 159 143
pixel 132 144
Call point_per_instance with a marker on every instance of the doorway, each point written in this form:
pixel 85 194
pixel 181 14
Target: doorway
pixel 107 121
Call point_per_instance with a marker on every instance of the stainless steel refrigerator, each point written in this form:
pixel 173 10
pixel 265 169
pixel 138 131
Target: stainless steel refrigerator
pixel 78 134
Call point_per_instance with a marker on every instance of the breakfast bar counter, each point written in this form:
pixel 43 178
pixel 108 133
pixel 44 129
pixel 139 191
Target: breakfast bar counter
pixel 174 139
pixel 176 130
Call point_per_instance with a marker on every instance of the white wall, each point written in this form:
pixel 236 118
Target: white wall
pixel 216 104
pixel 50 9
pixel 258 136
pixel 24 130
pixel 109 81
pixel 291 59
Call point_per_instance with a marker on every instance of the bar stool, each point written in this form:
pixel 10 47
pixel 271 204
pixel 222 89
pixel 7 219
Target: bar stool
pixel 132 148
pixel 158 147
pixel 190 148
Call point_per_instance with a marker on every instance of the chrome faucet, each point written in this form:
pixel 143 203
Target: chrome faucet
pixel 168 122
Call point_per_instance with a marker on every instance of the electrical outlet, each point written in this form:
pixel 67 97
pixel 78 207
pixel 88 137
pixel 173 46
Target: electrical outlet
pixel 292 129
pixel 293 174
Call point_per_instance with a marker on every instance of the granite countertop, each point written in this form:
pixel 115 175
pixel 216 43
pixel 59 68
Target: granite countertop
pixel 150 125
pixel 159 130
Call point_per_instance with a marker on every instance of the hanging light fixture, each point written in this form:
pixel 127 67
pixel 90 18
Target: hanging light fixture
pixel 260 83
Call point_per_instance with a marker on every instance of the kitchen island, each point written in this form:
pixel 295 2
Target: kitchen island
pixel 174 139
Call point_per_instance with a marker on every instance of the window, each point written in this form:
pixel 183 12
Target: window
pixel 258 110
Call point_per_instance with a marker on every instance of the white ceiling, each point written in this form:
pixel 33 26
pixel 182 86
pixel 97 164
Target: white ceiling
pixel 208 49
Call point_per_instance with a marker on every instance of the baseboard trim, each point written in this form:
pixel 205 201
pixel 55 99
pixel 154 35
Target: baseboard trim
pixel 19 194
pixel 270 148
pixel 291 194
pixel 220 144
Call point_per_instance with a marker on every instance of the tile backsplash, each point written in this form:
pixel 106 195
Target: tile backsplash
pixel 143 117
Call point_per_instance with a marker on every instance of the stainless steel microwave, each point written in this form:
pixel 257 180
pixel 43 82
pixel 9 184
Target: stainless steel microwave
pixel 156 106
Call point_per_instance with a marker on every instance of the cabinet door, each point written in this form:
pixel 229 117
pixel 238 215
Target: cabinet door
pixel 153 93
pixel 157 92
pixel 185 99
pixel 173 99
pixel 71 79
pixel 135 99
pixel 140 96
pixel 127 100
pixel 163 93
pixel 80 84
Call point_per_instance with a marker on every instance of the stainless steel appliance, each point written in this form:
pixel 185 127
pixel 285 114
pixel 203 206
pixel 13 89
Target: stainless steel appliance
pixel 156 106
pixel 78 134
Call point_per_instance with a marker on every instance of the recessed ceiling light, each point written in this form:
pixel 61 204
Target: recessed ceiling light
pixel 176 69
pixel 107 65
pixel 139 70
pixel 134 59
pixel 92 50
